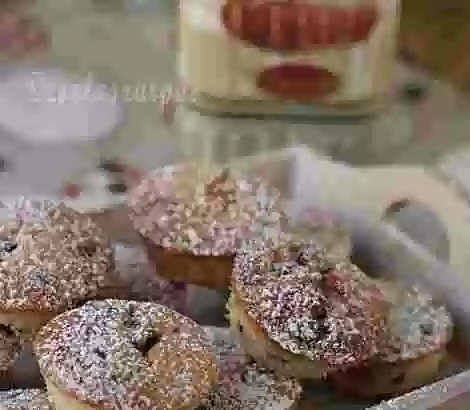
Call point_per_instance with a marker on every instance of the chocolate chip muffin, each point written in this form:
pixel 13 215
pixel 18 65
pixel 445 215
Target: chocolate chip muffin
pixel 302 312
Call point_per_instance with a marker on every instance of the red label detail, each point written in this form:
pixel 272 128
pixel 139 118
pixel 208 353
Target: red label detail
pixel 296 25
pixel 299 83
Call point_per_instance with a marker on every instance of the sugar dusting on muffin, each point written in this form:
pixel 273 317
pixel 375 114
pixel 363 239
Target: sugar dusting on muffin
pixel 52 257
pixel 418 324
pixel 204 210
pixel 99 354
pixel 245 386
pixel 311 304
pixel 29 399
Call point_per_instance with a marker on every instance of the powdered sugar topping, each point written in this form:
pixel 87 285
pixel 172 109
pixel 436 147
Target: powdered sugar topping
pixel 127 355
pixel 418 324
pixel 52 261
pixel 244 386
pixel 311 303
pixel 32 399
pixel 204 210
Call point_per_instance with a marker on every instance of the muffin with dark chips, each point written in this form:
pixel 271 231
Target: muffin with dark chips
pixel 302 312
pixel 116 355
pixel 420 329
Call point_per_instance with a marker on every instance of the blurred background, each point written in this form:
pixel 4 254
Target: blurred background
pixel 434 34
pixel 91 97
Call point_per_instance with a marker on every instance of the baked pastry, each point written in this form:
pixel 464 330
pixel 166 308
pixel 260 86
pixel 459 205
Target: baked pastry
pixel 244 386
pixel 11 346
pixel 52 259
pixel 302 312
pixel 420 329
pixel 193 219
pixel 125 355
pixel 29 399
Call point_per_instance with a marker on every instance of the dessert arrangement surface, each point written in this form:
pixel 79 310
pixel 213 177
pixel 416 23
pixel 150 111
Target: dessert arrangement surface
pixel 301 316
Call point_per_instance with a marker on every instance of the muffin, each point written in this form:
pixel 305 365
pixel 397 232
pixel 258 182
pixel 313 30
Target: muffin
pixel 52 258
pixel 116 355
pixel 302 312
pixel 243 385
pixel 193 219
pixel 420 329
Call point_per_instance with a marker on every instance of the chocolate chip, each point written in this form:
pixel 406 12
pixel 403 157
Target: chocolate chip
pixel 7 247
pixel 285 270
pixel 132 310
pixel 414 92
pixel 150 341
pixel 318 312
pixel 427 328
pixel 130 322
pixel 323 331
pixel 100 353
pixel 40 278
pixel 302 259
pixel 117 188
pixel 87 249
pixel 7 330
pixel 399 379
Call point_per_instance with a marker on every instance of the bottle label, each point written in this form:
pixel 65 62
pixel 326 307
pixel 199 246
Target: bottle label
pixel 333 52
